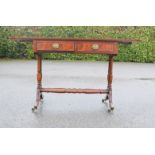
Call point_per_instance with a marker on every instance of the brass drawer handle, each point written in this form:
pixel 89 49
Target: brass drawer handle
pixel 95 46
pixel 55 45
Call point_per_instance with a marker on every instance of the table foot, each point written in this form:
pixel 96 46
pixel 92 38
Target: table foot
pixel 108 101
pixel 34 108
pixel 39 100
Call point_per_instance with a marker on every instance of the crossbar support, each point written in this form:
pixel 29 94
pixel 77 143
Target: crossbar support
pixel 74 90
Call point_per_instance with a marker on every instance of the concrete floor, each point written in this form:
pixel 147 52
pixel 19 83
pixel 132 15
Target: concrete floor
pixel 133 95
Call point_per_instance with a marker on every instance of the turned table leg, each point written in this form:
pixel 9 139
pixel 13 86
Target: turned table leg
pixel 109 87
pixel 39 95
pixel 110 77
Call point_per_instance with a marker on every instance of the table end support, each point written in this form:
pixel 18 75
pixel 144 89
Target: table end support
pixel 39 95
pixel 109 87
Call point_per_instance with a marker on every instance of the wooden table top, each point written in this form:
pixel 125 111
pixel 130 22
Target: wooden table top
pixel 31 39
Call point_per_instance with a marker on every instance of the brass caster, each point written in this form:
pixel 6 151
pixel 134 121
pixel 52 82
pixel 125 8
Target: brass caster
pixel 41 97
pixel 109 110
pixel 112 108
pixel 34 108
pixel 103 100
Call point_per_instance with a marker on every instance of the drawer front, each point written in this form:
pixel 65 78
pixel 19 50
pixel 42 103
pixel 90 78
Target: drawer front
pixel 54 46
pixel 96 47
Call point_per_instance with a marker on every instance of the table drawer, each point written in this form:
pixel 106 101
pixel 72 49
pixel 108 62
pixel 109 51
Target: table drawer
pixel 54 46
pixel 97 47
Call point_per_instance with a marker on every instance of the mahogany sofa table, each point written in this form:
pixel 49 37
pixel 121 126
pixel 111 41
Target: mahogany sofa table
pixel 70 45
